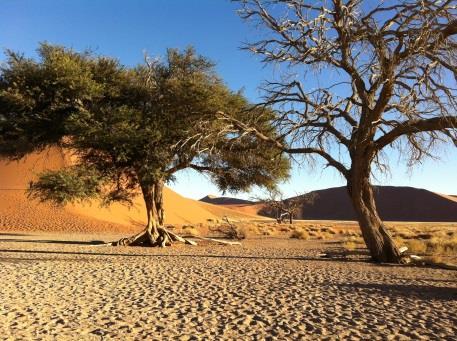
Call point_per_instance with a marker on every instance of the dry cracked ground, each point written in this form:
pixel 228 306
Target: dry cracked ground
pixel 58 287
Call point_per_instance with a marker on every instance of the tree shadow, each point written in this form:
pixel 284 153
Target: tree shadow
pixel 157 255
pixel 431 280
pixel 66 242
pixel 340 252
pixel 426 292
pixel 14 234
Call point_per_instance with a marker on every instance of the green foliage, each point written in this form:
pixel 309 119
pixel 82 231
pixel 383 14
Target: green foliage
pixel 36 97
pixel 67 185
pixel 127 127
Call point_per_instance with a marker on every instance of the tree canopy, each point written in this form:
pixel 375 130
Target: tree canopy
pixel 128 128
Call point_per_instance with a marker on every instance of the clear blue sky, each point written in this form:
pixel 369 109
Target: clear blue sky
pixel 124 29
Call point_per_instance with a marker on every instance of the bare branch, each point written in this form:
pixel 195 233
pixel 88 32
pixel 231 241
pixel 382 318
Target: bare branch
pixel 411 127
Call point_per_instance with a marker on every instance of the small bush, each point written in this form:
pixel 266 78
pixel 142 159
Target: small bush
pixel 231 231
pixel 442 246
pixel 193 232
pixel 349 245
pixel 416 246
pixel 300 235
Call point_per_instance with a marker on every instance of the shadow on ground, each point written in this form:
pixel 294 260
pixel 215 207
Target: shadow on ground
pixel 14 234
pixel 425 292
pixel 68 242
pixel 421 291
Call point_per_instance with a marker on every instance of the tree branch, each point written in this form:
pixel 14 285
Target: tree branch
pixel 278 144
pixel 416 126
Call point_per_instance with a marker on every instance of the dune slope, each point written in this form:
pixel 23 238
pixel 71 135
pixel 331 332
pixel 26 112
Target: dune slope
pixel 19 213
pixel 394 204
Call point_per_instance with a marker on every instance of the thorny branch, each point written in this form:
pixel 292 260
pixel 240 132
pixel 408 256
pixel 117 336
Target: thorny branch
pixel 397 63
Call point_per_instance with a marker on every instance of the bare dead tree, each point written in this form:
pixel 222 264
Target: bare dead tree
pixel 273 204
pixel 396 70
pixel 279 206
pixel 292 206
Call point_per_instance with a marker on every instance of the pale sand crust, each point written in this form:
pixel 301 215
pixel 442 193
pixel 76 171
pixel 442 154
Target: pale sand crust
pixel 268 288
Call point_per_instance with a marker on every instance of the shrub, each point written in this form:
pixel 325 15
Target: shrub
pixel 231 231
pixel 416 246
pixel 300 235
pixel 349 245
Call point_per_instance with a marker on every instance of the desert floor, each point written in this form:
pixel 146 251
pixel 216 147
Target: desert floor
pixel 58 287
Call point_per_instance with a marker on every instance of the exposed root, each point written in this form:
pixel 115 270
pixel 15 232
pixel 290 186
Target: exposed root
pixel 146 238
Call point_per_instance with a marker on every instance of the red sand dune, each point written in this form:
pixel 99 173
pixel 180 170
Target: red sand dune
pixel 212 199
pixel 19 213
pixel 394 204
pixel 252 209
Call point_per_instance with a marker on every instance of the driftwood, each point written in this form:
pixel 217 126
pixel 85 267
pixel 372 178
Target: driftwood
pixel 225 242
pixel 177 238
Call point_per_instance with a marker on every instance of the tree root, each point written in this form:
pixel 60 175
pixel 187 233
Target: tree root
pixel 164 238
pixel 146 238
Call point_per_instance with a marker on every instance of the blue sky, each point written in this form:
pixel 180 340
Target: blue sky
pixel 125 29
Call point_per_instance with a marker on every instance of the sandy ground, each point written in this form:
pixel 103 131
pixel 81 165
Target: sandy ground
pixel 56 287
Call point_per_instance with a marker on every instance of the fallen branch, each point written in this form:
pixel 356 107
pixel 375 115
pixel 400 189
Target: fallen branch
pixel 176 238
pixel 225 242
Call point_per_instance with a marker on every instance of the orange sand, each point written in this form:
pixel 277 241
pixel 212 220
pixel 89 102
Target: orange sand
pixel 18 212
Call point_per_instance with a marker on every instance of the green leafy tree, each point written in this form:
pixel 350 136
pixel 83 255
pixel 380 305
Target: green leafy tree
pixel 129 130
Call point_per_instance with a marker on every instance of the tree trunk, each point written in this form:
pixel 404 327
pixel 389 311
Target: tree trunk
pixel 154 234
pixel 376 236
pixel 158 199
pixel 149 197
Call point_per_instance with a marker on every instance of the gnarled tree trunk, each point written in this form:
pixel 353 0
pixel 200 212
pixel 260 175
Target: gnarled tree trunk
pixel 376 236
pixel 158 199
pixel 154 233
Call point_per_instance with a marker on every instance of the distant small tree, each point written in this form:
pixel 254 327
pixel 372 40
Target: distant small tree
pixel 279 206
pixel 387 77
pixel 129 130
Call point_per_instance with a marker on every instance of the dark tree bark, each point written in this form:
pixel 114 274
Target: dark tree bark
pixel 158 199
pixel 397 64
pixel 376 236
pixel 154 233
pixel 149 196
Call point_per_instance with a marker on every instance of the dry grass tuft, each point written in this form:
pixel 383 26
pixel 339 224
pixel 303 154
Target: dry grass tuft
pixel 416 246
pixel 353 242
pixel 434 259
pixel 193 232
pixel 442 245
pixel 438 245
pixel 300 235
pixel 350 245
